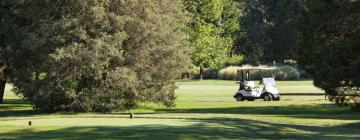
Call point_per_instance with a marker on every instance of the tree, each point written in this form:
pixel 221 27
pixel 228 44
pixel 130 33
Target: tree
pixel 330 46
pixel 5 32
pixel 283 32
pixel 96 55
pixel 268 30
pixel 211 31
pixel 2 80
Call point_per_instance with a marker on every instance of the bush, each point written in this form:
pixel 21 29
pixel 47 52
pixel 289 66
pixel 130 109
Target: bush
pixel 209 73
pixel 228 73
pixel 287 73
pixel 280 73
pixel 303 73
pixel 347 96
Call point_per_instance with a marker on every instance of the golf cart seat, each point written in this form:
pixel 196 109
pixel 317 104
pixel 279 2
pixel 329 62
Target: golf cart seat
pixel 250 84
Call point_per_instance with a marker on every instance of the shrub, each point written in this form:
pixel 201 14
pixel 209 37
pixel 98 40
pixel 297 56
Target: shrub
pixel 347 96
pixel 280 73
pixel 287 73
pixel 228 73
pixel 303 73
pixel 194 72
pixel 209 73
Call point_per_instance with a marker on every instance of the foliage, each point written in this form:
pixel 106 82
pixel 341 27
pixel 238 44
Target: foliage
pixel 4 32
pixel 208 73
pixel 210 31
pixel 228 73
pixel 280 73
pixel 346 96
pixel 330 44
pixel 235 60
pixel 268 30
pixel 95 55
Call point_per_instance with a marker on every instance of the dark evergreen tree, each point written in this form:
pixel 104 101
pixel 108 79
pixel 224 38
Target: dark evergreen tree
pixel 268 30
pixel 330 46
pixel 95 55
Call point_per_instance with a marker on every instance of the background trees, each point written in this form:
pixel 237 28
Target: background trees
pixel 210 31
pixel 96 55
pixel 268 30
pixel 330 46
pixel 5 35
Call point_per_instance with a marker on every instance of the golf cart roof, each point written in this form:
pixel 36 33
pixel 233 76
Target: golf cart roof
pixel 247 67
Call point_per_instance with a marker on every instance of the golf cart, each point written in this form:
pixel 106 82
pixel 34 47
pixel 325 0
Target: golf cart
pixel 249 91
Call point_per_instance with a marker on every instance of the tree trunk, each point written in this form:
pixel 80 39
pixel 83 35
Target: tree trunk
pixel 201 73
pixel 2 90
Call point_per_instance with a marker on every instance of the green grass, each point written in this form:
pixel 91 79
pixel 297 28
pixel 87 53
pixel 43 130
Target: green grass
pixel 205 110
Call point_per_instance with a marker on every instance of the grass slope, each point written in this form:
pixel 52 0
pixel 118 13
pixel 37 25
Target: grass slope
pixel 205 110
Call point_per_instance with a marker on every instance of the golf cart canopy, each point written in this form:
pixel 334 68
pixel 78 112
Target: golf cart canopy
pixel 248 68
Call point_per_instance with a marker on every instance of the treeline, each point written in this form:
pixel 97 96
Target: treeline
pixel 227 32
pixel 74 55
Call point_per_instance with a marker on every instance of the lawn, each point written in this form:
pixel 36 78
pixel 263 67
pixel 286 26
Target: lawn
pixel 205 110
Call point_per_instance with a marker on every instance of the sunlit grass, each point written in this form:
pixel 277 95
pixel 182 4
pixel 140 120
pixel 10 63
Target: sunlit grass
pixel 204 110
pixel 9 94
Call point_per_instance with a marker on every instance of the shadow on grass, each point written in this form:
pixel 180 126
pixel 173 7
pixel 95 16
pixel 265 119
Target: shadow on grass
pixel 205 129
pixel 16 108
pixel 221 128
pixel 14 101
pixel 20 108
pixel 297 111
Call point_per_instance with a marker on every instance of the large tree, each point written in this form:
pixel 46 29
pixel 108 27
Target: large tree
pixel 3 79
pixel 268 30
pixel 211 31
pixel 330 46
pixel 96 55
pixel 5 32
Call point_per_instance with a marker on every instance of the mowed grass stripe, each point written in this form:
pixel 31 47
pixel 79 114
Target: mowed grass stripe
pixel 204 110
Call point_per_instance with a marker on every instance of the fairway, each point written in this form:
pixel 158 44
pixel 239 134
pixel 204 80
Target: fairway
pixel 205 110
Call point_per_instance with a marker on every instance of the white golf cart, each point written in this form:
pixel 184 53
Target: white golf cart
pixel 249 91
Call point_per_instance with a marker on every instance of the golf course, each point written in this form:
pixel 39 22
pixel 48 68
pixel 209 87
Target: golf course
pixel 204 110
pixel 179 69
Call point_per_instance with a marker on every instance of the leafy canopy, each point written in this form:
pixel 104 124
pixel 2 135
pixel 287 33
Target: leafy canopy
pixel 211 29
pixel 95 55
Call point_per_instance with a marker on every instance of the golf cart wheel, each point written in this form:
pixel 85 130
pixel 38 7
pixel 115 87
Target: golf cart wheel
pixel 278 99
pixel 267 97
pixel 239 98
